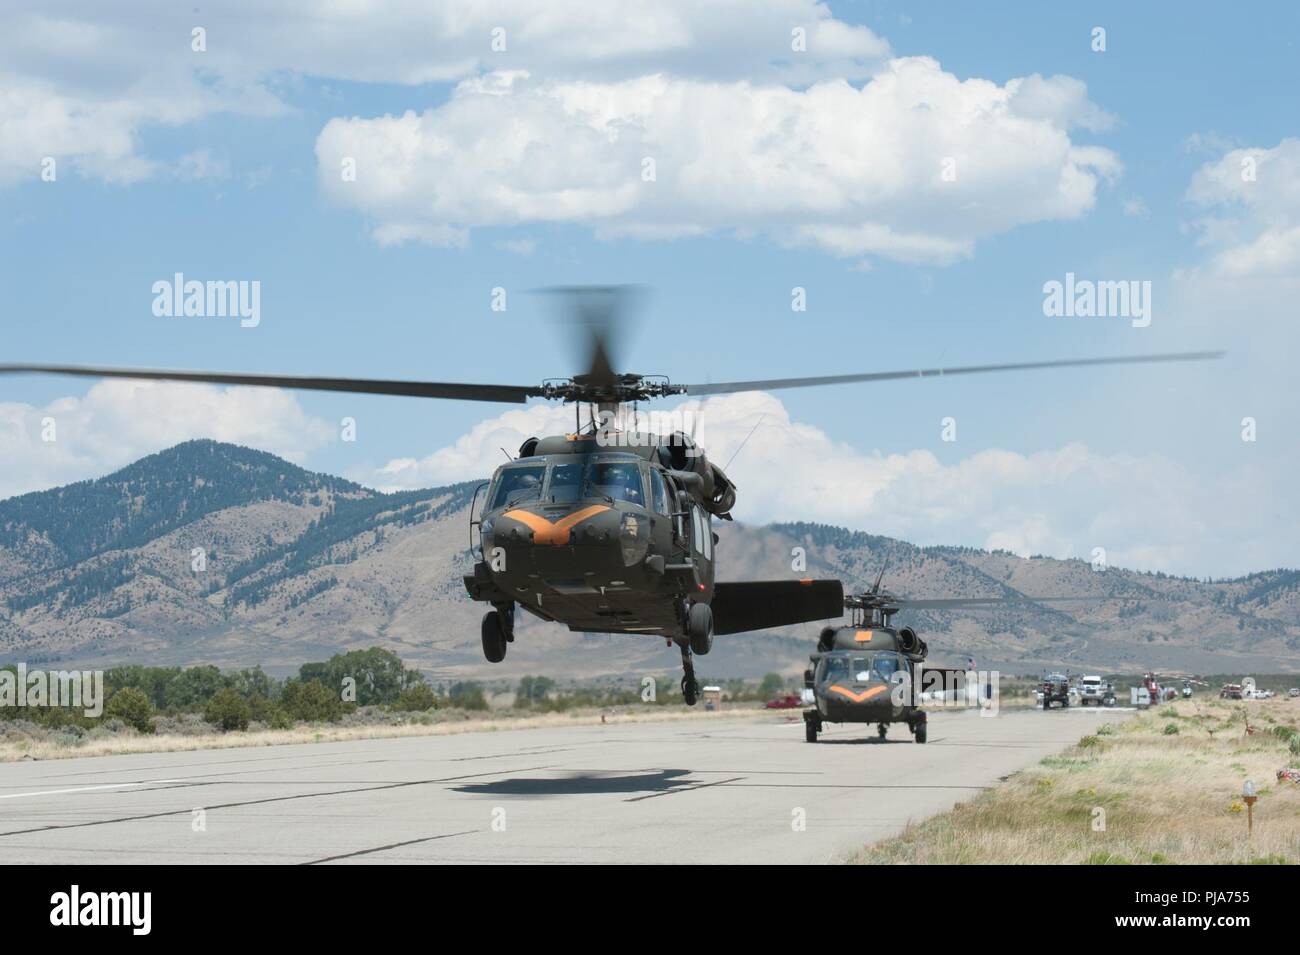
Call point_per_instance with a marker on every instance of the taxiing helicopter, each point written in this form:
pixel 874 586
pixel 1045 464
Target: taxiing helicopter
pixel 599 529
pixel 873 672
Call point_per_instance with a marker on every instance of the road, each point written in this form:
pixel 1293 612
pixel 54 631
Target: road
pixel 709 790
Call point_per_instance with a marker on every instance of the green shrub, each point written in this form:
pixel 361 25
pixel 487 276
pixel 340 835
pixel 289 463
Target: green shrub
pixel 533 691
pixel 132 707
pixel 468 695
pixel 1171 729
pixel 311 701
pixel 417 698
pixel 277 717
pixel 379 674
pixel 228 710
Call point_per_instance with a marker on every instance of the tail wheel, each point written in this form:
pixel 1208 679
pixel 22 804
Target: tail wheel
pixel 699 628
pixel 494 637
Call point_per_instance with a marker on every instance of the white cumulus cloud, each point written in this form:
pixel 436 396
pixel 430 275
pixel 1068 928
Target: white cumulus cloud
pixel 1251 203
pixel 915 164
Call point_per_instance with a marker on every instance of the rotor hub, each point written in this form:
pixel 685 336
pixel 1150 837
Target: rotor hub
pixel 595 389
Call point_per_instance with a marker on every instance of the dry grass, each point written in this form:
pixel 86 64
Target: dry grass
pixel 440 724
pixel 1166 798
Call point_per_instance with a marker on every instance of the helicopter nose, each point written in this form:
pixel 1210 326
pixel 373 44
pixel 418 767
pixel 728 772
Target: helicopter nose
pixel 555 529
pixel 595 534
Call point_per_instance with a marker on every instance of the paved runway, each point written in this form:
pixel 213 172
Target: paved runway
pixel 708 790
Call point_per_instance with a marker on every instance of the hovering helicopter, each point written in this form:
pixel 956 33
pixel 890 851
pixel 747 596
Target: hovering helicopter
pixel 599 532
pixel 872 672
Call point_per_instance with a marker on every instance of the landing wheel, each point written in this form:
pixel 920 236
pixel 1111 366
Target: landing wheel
pixel 810 731
pixel 690 691
pixel 882 730
pixel 494 637
pixel 699 628
pixel 919 732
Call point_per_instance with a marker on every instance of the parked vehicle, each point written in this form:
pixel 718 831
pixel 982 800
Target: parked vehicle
pixel 786 701
pixel 1092 691
pixel 1055 688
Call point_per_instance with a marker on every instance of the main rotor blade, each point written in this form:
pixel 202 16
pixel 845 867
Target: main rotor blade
pixel 727 387
pixel 515 394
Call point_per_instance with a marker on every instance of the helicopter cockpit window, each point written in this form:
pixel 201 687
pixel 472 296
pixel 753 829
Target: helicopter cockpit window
pixel 886 665
pixel 615 479
pixel 566 483
pixel 835 668
pixel 876 666
pixel 659 491
pixel 518 484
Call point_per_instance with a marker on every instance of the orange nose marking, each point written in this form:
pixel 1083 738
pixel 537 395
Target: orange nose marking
pixel 858 697
pixel 862 636
pixel 544 532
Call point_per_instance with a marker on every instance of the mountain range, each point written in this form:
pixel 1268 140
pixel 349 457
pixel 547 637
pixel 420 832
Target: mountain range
pixel 213 553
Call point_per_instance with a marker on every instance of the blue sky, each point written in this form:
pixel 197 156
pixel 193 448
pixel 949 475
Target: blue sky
pixel 220 165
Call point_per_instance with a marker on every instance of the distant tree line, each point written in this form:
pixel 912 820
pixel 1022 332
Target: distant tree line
pixel 234 699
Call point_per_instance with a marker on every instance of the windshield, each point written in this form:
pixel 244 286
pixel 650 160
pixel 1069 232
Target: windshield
pixel 835 668
pixel 876 666
pixel 566 483
pixel 615 479
pixel 518 484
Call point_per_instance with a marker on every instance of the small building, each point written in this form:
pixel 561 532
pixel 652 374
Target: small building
pixel 712 696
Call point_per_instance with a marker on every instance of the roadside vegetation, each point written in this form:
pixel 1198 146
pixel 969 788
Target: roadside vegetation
pixel 1162 787
pixel 364 693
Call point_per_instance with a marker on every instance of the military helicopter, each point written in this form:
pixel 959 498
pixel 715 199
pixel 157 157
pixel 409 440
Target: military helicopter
pixel 870 671
pixel 600 529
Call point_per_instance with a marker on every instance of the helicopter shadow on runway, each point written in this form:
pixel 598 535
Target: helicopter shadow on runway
pixel 659 781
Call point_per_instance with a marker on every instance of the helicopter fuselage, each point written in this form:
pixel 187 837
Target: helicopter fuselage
pixel 864 673
pixel 607 535
pixel 595 534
